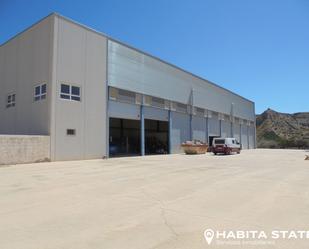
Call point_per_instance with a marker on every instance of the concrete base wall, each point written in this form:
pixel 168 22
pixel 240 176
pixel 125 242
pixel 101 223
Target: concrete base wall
pixel 16 149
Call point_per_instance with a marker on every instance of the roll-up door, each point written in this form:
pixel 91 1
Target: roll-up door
pixel 123 110
pixel 236 130
pixel 244 136
pixel 251 137
pixel 199 128
pixel 180 130
pixel 155 113
pixel 213 126
pixel 225 128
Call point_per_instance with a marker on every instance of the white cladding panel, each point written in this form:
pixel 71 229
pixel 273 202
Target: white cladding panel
pixel 25 63
pixel 132 70
pixel 81 61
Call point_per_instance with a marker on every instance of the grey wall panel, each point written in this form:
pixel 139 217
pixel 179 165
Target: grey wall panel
pixel 199 128
pixel 25 63
pixel 236 131
pixel 123 110
pixel 251 137
pixel 244 136
pixel 95 96
pixel 213 126
pixel 132 70
pixel 81 61
pixel 155 113
pixel 225 128
pixel 180 130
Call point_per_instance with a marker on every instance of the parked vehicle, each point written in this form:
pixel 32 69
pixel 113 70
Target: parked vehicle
pixel 225 146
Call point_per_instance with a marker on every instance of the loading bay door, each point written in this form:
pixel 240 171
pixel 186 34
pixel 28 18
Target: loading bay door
pixel 156 137
pixel 124 137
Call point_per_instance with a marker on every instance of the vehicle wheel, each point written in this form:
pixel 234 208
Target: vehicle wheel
pixel 215 153
pixel 238 152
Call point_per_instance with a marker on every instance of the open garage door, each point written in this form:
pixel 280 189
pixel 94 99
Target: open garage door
pixel 124 137
pixel 156 137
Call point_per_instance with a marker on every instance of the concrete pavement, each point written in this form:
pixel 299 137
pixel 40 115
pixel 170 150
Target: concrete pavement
pixel 154 201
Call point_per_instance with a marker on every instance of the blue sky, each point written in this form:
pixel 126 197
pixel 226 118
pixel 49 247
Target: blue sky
pixel 258 49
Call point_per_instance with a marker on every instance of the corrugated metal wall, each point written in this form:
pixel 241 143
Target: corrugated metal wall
pixel 132 70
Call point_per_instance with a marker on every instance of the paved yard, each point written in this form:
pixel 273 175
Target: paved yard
pixel 153 202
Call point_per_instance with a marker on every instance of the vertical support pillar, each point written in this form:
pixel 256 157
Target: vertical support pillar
pixel 191 114
pixel 170 120
pixel 220 124
pixel 248 136
pixel 240 132
pixel 142 131
pixel 107 107
pixel 207 131
pixel 232 120
pixel 191 129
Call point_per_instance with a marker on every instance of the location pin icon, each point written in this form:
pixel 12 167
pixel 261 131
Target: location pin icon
pixel 209 235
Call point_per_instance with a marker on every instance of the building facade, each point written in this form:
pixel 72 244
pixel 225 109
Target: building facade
pixel 97 97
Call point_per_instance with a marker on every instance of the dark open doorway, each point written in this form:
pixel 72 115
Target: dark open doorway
pixel 124 137
pixel 156 137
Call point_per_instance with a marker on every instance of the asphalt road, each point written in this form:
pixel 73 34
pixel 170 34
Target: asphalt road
pixel 155 201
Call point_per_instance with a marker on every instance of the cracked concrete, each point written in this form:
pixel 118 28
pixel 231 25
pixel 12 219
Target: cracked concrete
pixel 152 202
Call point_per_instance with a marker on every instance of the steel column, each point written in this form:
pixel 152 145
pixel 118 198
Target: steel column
pixel 170 130
pixel 142 131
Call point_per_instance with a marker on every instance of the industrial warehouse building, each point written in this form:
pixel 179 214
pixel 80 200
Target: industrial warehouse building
pixel 97 97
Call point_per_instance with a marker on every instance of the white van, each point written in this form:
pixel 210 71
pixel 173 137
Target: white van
pixel 225 145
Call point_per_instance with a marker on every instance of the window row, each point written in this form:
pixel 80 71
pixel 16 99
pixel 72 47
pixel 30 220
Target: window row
pixel 68 92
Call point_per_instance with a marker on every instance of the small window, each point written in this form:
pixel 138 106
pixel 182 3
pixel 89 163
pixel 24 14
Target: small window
pixel 71 132
pixel 11 100
pixel 70 92
pixel 40 92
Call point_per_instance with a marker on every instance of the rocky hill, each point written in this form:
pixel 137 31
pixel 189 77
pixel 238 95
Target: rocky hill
pixel 282 130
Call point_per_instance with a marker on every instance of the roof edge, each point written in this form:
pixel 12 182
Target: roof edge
pixel 30 27
pixel 128 46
